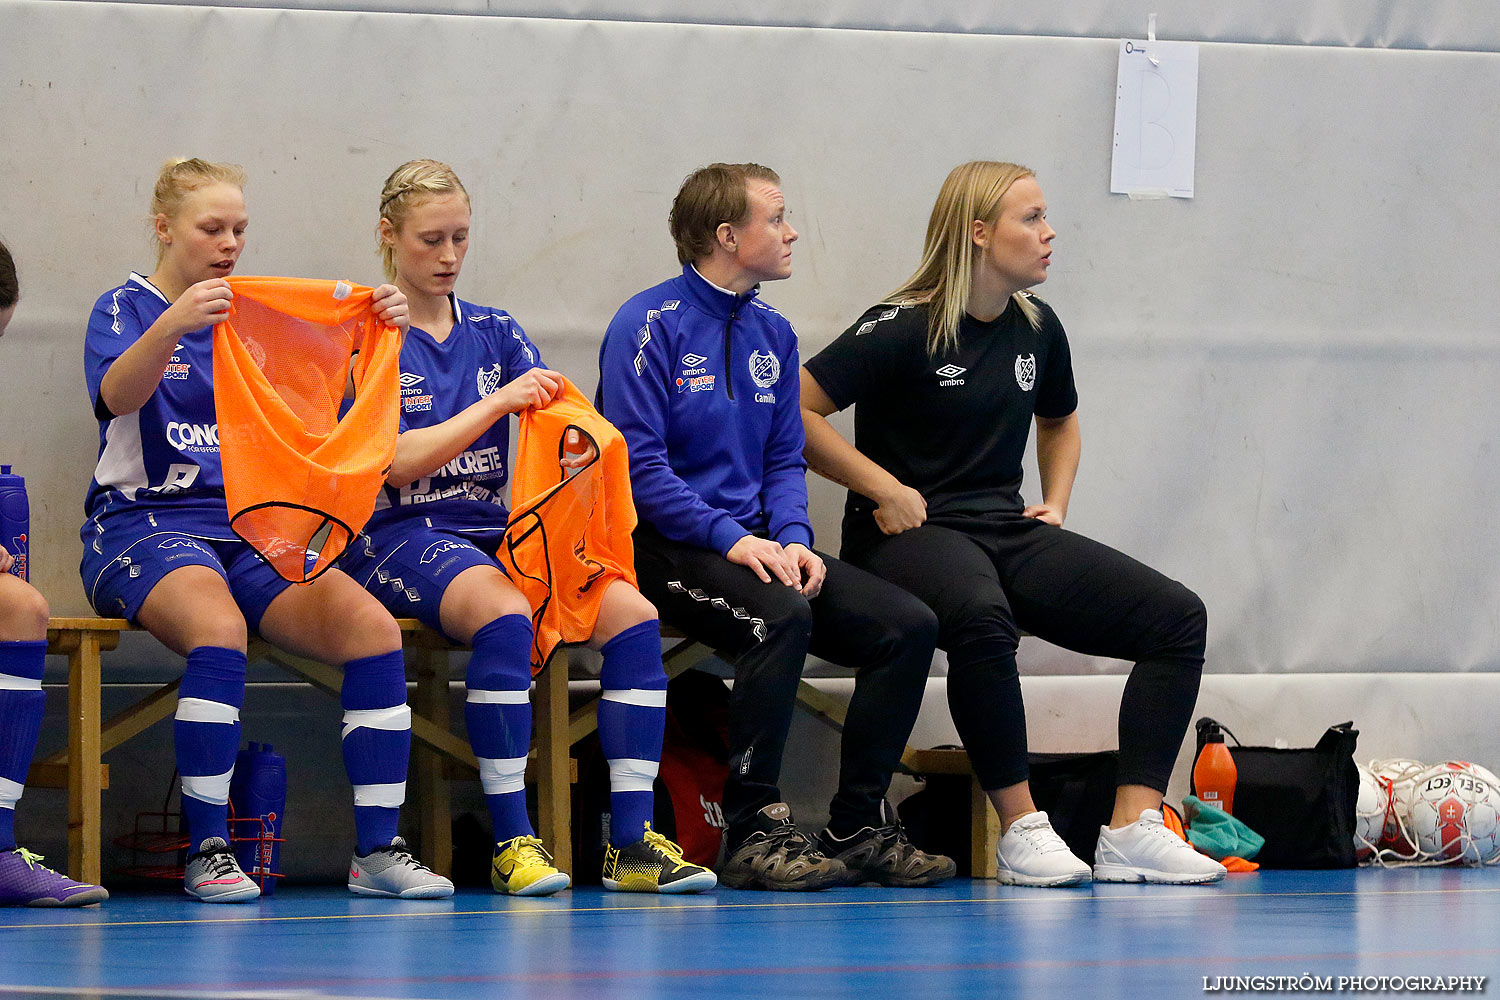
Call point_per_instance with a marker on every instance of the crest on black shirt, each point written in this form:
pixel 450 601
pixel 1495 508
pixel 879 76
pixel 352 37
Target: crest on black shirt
pixel 1025 371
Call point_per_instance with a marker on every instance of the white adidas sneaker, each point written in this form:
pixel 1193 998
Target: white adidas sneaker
pixel 1146 851
pixel 1031 853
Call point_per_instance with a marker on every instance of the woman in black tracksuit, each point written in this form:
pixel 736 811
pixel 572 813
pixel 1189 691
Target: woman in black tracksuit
pixel 948 374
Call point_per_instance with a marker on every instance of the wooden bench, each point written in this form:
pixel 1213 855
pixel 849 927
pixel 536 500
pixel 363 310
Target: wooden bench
pixel 80 768
pixel 438 752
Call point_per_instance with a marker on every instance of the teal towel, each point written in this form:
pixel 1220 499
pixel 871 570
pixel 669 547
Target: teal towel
pixel 1218 834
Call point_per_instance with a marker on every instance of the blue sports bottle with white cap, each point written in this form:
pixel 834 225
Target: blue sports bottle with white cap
pixel 258 791
pixel 15 521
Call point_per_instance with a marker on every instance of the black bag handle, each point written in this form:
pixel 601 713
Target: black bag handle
pixel 1340 732
pixel 1203 725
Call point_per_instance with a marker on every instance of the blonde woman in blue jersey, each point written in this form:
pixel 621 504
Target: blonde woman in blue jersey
pixel 158 549
pixel 464 370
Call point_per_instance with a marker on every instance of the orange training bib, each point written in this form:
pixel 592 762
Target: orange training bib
pixel 569 536
pixel 301 482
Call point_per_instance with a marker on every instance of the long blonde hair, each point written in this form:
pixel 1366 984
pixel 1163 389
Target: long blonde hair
pixel 972 191
pixel 179 177
pixel 408 184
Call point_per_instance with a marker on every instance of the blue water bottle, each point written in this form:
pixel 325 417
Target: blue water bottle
pixel 258 791
pixel 15 521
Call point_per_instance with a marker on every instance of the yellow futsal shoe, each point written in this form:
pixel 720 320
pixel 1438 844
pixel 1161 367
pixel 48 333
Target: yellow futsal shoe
pixel 522 868
pixel 653 864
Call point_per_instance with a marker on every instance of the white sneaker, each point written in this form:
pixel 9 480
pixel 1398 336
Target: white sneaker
pixel 392 871
pixel 1146 851
pixel 1031 853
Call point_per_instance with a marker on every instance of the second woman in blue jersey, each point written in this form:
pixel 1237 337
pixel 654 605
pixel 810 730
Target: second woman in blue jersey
pixel 429 550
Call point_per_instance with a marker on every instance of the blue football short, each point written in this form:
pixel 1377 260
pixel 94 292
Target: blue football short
pixel 408 563
pixel 129 548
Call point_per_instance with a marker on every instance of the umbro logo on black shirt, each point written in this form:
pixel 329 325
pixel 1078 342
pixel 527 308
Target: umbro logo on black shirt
pixel 951 374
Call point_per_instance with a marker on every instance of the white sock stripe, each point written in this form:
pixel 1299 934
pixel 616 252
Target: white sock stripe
pixel 643 697
pixel 390 796
pixel 501 775
pixel 203 710
pixel 210 788
pixel 479 696
pixel 630 775
pixel 10 682
pixel 395 718
pixel 10 793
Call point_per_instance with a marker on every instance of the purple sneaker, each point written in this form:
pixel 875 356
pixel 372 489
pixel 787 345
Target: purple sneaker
pixel 25 881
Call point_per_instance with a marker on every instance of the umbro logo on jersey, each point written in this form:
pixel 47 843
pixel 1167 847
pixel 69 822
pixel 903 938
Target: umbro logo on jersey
pixel 950 375
pixel 413 399
pixel 694 377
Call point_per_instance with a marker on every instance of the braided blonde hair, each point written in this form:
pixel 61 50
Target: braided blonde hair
pixel 408 185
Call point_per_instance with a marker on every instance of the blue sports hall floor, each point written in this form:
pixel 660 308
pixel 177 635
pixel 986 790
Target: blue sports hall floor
pixel 1367 931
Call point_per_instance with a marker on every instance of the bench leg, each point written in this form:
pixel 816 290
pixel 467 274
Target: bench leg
pixel 984 833
pixel 85 778
pixel 554 761
pixel 431 669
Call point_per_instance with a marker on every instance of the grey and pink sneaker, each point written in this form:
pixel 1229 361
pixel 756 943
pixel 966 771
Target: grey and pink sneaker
pixel 214 876
pixel 25 881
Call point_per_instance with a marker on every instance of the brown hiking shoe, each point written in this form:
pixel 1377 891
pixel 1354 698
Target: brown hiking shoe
pixel 884 855
pixel 776 856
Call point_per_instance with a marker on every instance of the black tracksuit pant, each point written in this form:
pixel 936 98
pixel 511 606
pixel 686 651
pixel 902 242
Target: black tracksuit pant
pixel 988 578
pixel 766 631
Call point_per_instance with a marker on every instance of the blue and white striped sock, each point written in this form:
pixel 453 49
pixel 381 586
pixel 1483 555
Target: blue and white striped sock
pixel 632 713
pixel 21 705
pixel 376 744
pixel 497 713
pixel 206 733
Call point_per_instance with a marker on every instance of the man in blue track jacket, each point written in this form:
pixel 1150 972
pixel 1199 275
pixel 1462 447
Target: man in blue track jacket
pixel 701 376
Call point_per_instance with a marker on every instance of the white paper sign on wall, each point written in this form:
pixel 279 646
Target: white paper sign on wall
pixel 1156 119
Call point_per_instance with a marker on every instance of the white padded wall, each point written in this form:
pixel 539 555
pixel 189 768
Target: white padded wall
pixel 1287 382
pixel 1472 25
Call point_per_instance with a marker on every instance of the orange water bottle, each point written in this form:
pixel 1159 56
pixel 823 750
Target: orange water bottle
pixel 1214 773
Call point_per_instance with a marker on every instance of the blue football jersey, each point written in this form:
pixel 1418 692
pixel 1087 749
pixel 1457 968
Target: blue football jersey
pixel 168 450
pixel 485 350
